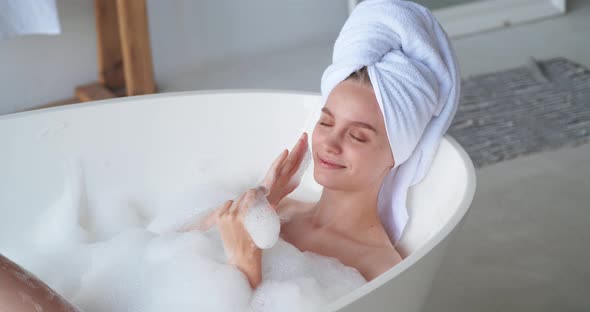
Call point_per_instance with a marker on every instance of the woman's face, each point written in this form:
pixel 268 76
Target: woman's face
pixel 351 135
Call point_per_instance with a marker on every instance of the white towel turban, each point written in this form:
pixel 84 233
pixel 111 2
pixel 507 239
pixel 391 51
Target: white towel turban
pixel 415 76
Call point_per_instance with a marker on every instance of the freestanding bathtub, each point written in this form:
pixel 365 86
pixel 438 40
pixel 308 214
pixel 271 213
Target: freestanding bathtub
pixel 150 148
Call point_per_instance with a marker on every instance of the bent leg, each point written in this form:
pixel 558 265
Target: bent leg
pixel 21 291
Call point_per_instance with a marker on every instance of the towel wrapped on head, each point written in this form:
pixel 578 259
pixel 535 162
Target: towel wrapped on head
pixel 415 76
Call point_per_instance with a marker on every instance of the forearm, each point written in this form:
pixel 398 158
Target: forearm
pixel 253 272
pixel 250 263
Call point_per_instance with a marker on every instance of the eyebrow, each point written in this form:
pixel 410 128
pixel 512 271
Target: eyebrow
pixel 356 123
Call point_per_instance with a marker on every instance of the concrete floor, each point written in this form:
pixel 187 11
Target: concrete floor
pixel 522 246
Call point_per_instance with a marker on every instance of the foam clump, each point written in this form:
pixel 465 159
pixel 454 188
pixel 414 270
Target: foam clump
pixel 261 221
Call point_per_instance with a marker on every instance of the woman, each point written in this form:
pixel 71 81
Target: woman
pixel 351 157
pixel 389 95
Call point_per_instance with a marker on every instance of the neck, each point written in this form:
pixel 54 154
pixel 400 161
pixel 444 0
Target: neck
pixel 347 212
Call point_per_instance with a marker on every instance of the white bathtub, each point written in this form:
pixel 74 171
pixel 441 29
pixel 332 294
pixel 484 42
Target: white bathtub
pixel 150 149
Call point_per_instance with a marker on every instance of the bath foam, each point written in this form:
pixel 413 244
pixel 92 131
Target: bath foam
pixel 301 281
pixel 138 266
pixel 138 270
pixel 261 221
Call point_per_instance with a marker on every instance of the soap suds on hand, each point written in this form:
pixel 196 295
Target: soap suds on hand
pixel 262 222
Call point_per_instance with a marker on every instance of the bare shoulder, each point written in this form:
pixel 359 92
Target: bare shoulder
pixel 378 261
pixel 288 207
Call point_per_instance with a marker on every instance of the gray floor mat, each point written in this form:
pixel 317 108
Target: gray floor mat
pixel 543 105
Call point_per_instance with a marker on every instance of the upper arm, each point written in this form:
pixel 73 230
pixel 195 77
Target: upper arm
pixel 380 262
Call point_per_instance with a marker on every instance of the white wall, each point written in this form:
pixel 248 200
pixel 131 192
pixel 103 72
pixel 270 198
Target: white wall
pixel 193 40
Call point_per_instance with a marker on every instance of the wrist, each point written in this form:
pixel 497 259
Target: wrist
pixel 252 268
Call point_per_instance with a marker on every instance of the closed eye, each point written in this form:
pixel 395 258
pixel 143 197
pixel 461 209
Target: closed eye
pixel 357 138
pixel 354 137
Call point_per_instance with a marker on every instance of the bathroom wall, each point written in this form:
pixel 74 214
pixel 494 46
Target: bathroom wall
pixel 439 4
pixel 194 40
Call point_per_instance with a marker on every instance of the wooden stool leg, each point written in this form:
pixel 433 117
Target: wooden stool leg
pixel 135 47
pixel 110 58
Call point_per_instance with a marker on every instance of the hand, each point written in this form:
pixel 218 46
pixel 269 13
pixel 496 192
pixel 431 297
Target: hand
pixel 277 181
pixel 238 245
pixel 278 178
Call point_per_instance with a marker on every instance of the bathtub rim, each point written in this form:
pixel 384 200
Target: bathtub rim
pixel 124 99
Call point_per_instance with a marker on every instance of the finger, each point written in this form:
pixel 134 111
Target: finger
pixel 208 222
pixel 248 200
pixel 289 162
pixel 211 219
pixel 223 210
pixel 299 155
pixel 279 160
pixel 225 207
pixel 235 206
pixel 295 157
pixel 274 168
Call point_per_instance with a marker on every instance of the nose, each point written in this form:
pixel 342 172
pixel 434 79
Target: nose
pixel 331 143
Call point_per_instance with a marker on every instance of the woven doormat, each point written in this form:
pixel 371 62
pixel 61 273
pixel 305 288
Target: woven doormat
pixel 541 106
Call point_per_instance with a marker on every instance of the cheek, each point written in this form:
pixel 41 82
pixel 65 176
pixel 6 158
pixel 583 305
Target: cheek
pixel 316 137
pixel 361 159
pixel 368 162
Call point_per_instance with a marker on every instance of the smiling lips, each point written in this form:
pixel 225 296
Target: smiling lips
pixel 328 164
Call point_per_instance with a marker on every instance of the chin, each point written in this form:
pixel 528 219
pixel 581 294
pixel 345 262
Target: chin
pixel 327 179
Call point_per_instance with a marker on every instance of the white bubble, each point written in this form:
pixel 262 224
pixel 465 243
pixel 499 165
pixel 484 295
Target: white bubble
pixel 262 222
